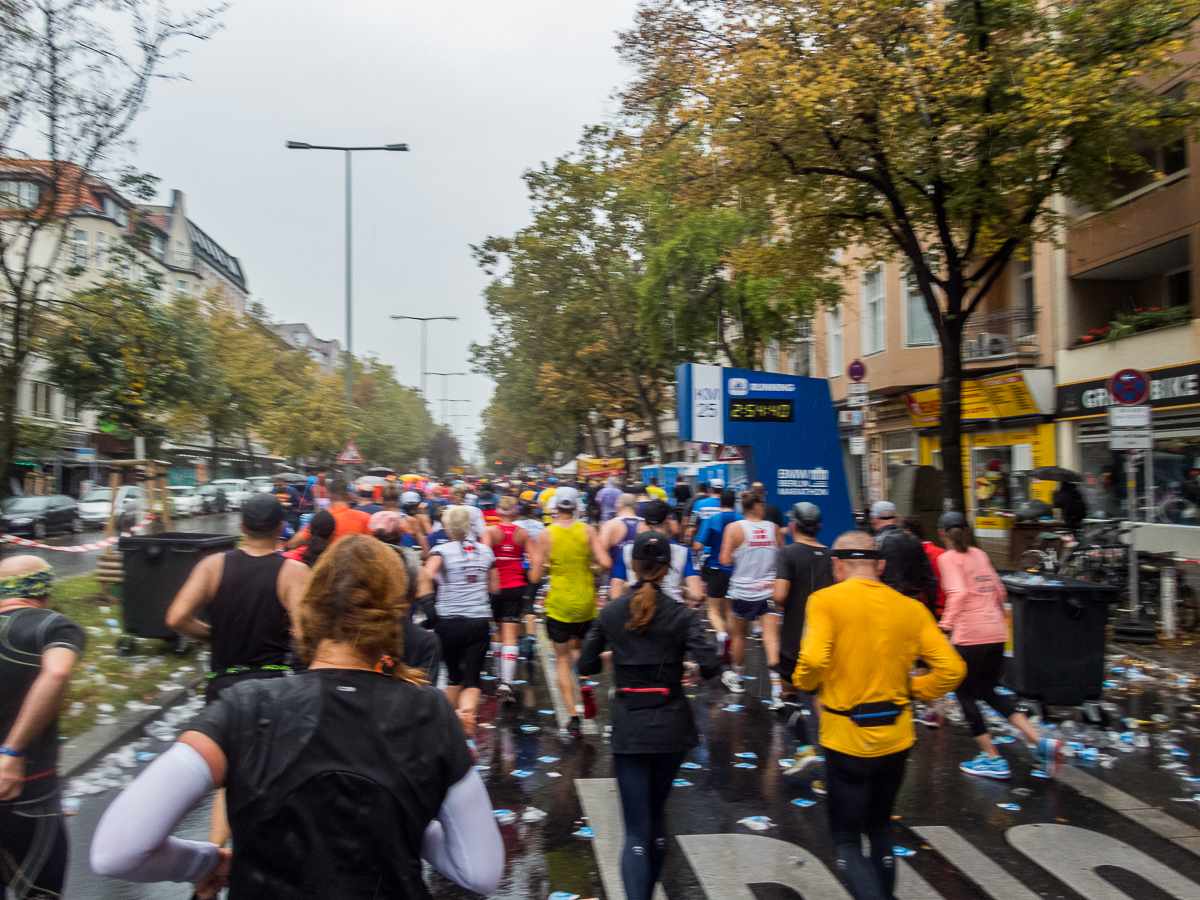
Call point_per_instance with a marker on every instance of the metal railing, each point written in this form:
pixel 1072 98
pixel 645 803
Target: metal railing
pixel 996 333
pixel 181 259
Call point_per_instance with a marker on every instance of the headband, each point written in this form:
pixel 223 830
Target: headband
pixel 35 585
pixel 855 553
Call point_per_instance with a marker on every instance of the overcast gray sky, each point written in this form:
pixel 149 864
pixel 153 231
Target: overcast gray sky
pixel 481 90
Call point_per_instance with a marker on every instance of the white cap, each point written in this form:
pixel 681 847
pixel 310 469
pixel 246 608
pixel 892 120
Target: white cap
pixel 565 496
pixel 409 497
pixel 718 483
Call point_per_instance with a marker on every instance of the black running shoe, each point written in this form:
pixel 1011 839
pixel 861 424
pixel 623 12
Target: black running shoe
pixel 573 727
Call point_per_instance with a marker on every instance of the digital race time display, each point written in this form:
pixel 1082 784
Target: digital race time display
pixel 760 410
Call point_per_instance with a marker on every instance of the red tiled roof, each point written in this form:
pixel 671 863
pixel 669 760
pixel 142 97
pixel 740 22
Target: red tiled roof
pixel 76 189
pixel 157 221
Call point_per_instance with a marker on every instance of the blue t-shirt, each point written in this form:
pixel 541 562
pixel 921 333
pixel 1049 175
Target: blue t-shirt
pixel 437 537
pixel 712 530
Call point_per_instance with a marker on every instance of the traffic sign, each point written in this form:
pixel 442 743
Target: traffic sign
pixel 1131 439
pixel 350 454
pixel 1129 387
pixel 1129 417
pixel 853 417
pixel 857 370
pixel 729 453
pixel 858 446
pixel 860 387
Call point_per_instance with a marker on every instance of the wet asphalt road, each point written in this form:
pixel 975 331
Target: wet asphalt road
pixel 966 846
pixel 68 565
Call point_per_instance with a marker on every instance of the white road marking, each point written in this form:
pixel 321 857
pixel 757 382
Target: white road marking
pixel 995 882
pixel 726 863
pixel 602 806
pixel 1179 833
pixel 1072 855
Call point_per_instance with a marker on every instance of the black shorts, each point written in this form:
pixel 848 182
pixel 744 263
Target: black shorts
pixel 716 581
pixel 506 605
pixel 33 848
pixel 465 644
pixel 561 632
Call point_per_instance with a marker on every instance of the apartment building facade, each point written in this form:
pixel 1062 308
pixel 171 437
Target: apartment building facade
pixel 100 219
pixel 300 337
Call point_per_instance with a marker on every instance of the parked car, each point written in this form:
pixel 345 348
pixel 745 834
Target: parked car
pixel 212 499
pixel 185 501
pixel 38 516
pixel 96 506
pixel 263 483
pixel 237 491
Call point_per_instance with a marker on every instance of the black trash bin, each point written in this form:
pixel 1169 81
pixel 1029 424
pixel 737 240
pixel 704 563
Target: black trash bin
pixel 156 566
pixel 1059 636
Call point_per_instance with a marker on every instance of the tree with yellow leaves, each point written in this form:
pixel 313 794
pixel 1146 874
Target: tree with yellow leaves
pixel 938 133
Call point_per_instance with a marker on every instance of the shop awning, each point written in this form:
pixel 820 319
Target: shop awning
pixel 1008 395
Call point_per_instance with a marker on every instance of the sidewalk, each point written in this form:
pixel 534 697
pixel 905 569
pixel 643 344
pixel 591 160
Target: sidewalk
pixel 1182 655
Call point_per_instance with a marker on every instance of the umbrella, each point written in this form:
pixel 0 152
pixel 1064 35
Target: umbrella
pixel 1055 473
pixel 371 481
pixel 293 478
pixel 381 471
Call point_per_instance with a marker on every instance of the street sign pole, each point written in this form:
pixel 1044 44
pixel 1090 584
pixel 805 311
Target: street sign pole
pixel 1130 429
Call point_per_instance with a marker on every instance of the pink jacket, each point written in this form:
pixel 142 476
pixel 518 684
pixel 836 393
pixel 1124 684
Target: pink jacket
pixel 975 598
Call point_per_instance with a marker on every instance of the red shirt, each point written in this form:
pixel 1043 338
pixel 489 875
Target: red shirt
pixel 510 560
pixel 933 551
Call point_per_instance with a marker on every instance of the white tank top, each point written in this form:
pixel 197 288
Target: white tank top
pixel 463 579
pixel 754 562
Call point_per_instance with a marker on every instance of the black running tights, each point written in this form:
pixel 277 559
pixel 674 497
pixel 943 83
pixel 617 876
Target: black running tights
pixel 644 780
pixel 861 792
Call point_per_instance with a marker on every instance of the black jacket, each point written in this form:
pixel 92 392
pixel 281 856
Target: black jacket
pixel 907 570
pixel 650 658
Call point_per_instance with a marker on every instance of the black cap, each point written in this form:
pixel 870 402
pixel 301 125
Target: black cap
pixel 655 512
pixel 261 513
pixel 652 546
pixel 487 500
pixel 804 512
pixel 952 519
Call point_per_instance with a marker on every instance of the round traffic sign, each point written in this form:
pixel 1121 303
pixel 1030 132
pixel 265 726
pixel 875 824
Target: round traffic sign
pixel 857 370
pixel 1129 387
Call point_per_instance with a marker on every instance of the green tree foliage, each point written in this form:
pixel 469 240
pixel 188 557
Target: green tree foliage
pixel 390 418
pixel 443 452
pixel 118 351
pixel 937 133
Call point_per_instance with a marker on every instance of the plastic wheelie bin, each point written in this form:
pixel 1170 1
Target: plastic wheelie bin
pixel 1059 636
pixel 156 566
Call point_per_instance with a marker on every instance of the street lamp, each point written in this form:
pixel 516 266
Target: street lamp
pixel 301 145
pixel 425 320
pixel 455 415
pixel 444 388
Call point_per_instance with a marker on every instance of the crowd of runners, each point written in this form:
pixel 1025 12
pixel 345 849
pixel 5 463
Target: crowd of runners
pixel 397 604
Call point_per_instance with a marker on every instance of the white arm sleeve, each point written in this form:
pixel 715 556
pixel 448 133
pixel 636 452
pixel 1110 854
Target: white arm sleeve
pixel 463 842
pixel 133 840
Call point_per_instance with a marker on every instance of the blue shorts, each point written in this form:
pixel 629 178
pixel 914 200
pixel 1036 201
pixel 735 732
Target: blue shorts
pixel 750 609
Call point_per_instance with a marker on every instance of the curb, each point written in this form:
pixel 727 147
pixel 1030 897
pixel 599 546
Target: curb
pixel 85 749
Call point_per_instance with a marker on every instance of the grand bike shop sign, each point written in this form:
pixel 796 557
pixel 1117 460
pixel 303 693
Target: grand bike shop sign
pixel 1169 387
pixel 785 427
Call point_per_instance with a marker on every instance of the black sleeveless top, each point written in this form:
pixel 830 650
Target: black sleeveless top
pixel 333 776
pixel 250 627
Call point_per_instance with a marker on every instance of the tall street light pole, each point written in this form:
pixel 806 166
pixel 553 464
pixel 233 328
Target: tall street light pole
pixel 425 320
pixel 445 389
pixel 300 145
pixel 456 416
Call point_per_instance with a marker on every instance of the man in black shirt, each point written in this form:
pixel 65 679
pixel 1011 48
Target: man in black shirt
pixel 40 648
pixel 771 512
pixel 908 570
pixel 801 568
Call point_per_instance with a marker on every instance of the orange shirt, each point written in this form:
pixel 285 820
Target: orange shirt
pixel 346 521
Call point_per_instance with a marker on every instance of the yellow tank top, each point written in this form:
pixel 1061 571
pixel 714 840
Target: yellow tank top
pixel 572 596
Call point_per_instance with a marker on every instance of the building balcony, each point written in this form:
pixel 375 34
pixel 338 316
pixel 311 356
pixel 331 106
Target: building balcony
pixel 179 259
pixel 1000 339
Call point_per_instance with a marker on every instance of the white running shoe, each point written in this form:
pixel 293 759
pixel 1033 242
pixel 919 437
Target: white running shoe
pixel 731 681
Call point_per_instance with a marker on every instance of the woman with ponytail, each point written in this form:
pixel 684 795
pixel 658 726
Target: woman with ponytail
pixel 650 636
pixel 339 780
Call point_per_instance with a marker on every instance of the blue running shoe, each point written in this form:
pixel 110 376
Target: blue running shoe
pixel 1049 754
pixel 987 767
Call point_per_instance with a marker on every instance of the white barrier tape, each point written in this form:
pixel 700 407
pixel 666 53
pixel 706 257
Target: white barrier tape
pixel 78 548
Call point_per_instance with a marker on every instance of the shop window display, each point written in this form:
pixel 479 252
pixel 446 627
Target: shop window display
pixel 1175 498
